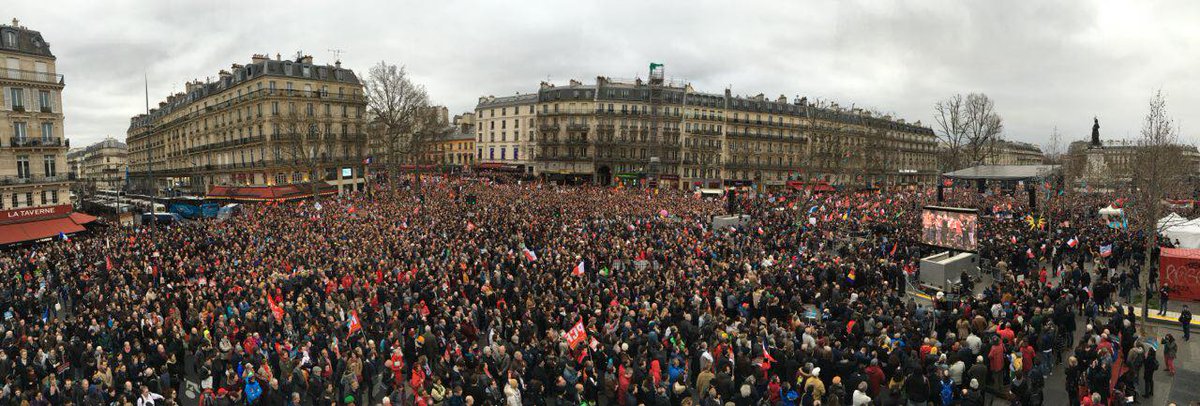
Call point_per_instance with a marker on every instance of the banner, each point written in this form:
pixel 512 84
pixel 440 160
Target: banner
pixel 1180 270
pixel 576 334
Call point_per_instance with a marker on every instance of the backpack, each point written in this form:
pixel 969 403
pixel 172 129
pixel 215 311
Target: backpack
pixel 947 392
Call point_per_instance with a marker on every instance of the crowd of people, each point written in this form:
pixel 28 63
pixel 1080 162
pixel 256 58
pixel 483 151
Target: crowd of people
pixel 457 291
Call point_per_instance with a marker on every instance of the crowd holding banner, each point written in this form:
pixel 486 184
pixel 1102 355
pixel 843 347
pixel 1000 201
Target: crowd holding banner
pixel 531 294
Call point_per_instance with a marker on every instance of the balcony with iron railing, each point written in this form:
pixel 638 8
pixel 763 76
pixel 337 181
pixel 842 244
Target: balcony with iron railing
pixel 560 112
pixel 30 76
pixel 32 179
pixel 26 142
pixel 698 131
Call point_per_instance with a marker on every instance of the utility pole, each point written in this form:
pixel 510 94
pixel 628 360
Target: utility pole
pixel 149 146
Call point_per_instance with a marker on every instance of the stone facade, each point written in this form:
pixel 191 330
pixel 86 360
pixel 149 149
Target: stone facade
pixel 270 122
pixel 660 131
pixel 33 148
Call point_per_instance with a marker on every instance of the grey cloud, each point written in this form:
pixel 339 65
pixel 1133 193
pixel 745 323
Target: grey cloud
pixel 1047 64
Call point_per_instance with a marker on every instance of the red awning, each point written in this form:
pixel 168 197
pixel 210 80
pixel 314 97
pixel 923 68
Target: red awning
pixel 35 230
pixel 81 219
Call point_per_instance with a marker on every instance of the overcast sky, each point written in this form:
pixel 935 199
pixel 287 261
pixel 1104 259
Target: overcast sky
pixel 1046 64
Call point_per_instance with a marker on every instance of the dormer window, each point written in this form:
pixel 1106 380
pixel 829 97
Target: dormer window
pixel 10 39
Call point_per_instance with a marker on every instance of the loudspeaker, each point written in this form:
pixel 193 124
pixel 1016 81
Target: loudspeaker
pixel 1032 199
pixel 731 201
pixel 981 185
pixel 941 193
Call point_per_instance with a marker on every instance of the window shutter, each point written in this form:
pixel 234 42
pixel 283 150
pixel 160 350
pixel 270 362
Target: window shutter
pixel 7 96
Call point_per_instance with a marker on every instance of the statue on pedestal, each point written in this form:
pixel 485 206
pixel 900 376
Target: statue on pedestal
pixel 1096 133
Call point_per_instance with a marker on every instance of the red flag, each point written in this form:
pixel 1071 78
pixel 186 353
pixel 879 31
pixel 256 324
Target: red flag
pixel 353 325
pixel 470 226
pixel 351 210
pixel 578 271
pixel 893 253
pixel 767 354
pixel 276 309
pixel 108 264
pixel 576 334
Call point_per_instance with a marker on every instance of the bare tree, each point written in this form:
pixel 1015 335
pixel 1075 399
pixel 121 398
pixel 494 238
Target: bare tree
pixel 952 131
pixel 304 141
pixel 983 128
pixel 1052 151
pixel 969 129
pixel 1156 176
pixel 400 112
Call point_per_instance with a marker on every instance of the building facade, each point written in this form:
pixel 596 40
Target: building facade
pixel 270 122
pixel 1016 153
pixel 663 132
pixel 454 150
pixel 102 165
pixel 465 123
pixel 33 150
pixel 1119 158
pixel 505 132
pixel 74 161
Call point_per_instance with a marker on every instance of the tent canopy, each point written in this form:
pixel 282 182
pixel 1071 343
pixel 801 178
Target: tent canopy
pixel 1004 172
pixel 1179 228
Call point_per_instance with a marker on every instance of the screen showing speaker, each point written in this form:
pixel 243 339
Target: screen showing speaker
pixel 950 227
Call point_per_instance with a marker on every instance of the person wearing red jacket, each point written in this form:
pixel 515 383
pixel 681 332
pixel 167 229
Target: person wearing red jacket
pixel 1027 357
pixel 875 378
pixel 996 363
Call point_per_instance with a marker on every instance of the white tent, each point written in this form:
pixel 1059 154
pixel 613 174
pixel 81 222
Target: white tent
pixel 1179 228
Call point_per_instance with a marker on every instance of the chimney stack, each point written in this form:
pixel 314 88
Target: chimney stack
pixel 258 58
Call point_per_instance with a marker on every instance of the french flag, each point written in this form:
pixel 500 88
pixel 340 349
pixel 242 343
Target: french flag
pixel 1072 242
pixel 579 269
pixel 1106 250
pixel 63 236
pixel 530 255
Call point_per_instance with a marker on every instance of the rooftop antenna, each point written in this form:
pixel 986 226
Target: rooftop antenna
pixel 337 54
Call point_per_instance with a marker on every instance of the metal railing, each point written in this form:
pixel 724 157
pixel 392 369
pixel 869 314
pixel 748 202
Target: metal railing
pixel 26 142
pixel 19 180
pixel 31 76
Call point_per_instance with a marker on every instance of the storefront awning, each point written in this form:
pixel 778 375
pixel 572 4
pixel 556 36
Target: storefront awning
pixel 30 224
